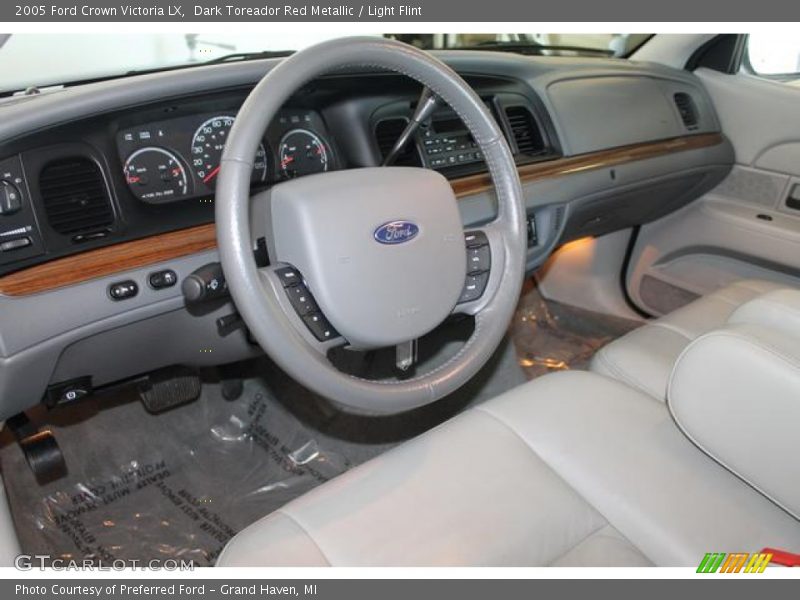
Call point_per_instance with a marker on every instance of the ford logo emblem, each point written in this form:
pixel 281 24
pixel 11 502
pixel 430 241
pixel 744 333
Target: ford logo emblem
pixel 396 232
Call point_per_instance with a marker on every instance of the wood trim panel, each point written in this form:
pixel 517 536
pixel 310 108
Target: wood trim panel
pixel 475 184
pixel 109 260
pixel 125 256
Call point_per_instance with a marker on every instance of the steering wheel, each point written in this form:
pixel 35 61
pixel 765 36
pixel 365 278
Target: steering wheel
pixel 368 257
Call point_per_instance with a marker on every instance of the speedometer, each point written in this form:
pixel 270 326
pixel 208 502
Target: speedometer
pixel 207 145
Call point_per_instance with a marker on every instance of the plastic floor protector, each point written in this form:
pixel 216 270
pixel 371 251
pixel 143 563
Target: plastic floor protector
pixel 180 484
pixel 550 336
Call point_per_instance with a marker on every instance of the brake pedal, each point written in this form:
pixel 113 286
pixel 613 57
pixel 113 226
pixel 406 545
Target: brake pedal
pixel 40 448
pixel 168 388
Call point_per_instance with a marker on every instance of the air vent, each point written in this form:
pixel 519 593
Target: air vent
pixel 75 196
pixel 525 130
pixel 386 134
pixel 687 109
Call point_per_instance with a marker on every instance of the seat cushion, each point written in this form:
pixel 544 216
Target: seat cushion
pixel 570 469
pixel 644 357
pixel 734 393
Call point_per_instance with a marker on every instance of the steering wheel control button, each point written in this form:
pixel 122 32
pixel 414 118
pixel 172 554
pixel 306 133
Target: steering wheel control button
pixel 123 290
pixel 478 259
pixel 319 326
pixel 162 279
pixel 474 287
pixel 15 244
pixel 301 299
pixel 475 239
pixel 288 276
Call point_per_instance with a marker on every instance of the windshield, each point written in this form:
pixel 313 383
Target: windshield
pixel 40 60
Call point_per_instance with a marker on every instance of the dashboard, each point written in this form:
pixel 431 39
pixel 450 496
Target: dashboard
pixel 107 189
pixel 179 159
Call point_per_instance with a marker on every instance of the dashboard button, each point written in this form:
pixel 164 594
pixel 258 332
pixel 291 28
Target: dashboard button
pixel 162 279
pixel 320 327
pixel 15 244
pixel 10 201
pixel 123 290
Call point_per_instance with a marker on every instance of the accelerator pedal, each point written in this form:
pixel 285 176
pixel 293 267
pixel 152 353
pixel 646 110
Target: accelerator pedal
pixel 169 387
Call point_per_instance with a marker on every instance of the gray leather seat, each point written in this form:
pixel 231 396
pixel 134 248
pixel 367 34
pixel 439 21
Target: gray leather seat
pixel 574 468
pixel 644 357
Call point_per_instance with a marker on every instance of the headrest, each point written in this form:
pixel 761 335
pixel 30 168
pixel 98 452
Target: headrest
pixel 779 309
pixel 735 392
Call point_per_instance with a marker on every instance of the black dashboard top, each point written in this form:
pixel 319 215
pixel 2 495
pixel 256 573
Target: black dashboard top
pixel 150 169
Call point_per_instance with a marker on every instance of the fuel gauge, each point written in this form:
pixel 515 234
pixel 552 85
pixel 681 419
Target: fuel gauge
pixel 156 175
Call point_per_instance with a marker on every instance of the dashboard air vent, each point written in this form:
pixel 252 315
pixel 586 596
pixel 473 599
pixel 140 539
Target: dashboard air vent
pixel 687 109
pixel 75 195
pixel 386 134
pixel 525 130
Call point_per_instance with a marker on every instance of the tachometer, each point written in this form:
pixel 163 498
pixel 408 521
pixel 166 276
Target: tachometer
pixel 207 145
pixel 302 152
pixel 156 175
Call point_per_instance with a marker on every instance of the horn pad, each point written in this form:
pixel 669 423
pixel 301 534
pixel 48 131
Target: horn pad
pixel 381 249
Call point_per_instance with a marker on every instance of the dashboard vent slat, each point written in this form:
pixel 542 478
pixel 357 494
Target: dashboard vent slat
pixel 75 196
pixel 687 109
pixel 387 132
pixel 525 130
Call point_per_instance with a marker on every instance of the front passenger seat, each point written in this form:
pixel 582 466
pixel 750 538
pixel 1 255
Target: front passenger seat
pixel 644 357
pixel 573 469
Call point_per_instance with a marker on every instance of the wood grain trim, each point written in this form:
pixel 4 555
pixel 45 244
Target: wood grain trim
pixel 475 184
pixel 159 248
pixel 108 261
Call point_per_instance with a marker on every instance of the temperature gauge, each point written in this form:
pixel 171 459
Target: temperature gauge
pixel 302 152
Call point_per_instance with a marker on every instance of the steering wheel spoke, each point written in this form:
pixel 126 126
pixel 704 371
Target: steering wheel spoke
pixel 484 265
pixel 300 307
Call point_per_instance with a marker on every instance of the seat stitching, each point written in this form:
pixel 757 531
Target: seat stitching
pixel 590 534
pixel 674 329
pixel 296 521
pixel 533 451
pixel 625 377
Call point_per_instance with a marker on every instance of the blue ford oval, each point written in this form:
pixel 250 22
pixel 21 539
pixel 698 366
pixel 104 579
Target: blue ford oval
pixel 396 232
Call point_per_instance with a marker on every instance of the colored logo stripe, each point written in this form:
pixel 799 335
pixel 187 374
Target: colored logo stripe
pixel 722 562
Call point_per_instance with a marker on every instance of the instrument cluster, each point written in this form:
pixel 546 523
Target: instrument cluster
pixel 178 159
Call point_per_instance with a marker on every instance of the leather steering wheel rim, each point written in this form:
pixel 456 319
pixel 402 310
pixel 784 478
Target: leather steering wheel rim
pixel 257 296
